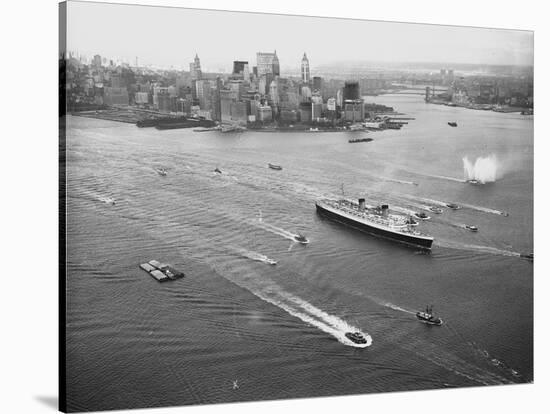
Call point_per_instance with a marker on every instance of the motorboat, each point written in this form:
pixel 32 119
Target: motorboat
pixel 271 261
pixel 300 238
pixel 422 216
pixel 453 206
pixel 274 166
pixel 217 170
pixel 453 124
pixel 356 337
pixel 162 171
pixel 474 182
pixel 427 317
pixel 411 222
pixel 435 210
pixel 471 228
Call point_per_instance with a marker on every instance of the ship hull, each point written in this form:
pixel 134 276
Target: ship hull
pixel 409 239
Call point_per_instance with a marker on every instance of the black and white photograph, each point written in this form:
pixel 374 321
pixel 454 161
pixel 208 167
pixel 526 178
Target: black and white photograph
pixel 259 206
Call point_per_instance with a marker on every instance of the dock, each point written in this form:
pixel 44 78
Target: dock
pixel 160 271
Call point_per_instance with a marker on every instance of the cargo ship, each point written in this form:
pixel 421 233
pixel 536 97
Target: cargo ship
pixel 377 221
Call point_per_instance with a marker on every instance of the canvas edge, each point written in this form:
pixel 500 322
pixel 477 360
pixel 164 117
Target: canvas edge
pixel 62 375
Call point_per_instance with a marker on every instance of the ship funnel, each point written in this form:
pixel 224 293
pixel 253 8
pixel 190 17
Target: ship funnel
pixel 362 204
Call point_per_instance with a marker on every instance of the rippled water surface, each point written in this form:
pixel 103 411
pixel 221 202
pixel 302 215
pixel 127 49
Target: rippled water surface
pixel 237 328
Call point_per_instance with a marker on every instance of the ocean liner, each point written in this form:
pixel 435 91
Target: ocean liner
pixel 374 220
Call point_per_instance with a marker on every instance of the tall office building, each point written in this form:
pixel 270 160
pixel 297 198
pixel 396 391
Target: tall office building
pixel 351 91
pixel 239 68
pixel 97 61
pixel 204 93
pixel 305 69
pixel 317 84
pixel 195 68
pixel 267 63
pixel 274 93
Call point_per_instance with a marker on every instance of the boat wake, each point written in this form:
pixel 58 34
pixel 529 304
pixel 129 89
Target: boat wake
pixel 484 354
pixel 394 180
pixel 444 204
pixel 272 293
pixel 397 308
pixel 475 248
pixel 277 230
pixel 252 255
pixel 455 364
pixel 97 197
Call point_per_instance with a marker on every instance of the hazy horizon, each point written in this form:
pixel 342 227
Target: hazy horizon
pixel 125 32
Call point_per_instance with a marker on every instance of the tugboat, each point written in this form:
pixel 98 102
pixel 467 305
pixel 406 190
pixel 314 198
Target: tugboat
pixel 453 124
pixel 435 210
pixel 471 228
pixel 422 216
pixel 300 238
pixel 217 170
pixel 274 167
pixel 453 206
pixel 428 317
pixel 356 337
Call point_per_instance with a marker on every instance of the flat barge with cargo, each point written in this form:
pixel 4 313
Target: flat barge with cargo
pixel 377 221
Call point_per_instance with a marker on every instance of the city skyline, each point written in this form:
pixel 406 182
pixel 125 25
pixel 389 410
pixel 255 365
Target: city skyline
pixel 185 32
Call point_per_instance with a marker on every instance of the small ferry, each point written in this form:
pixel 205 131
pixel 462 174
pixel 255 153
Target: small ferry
pixel 356 337
pixel 427 317
pixel 422 216
pixel 274 166
pixel 453 124
pixel 453 206
pixel 300 238
pixel 435 210
pixel 471 228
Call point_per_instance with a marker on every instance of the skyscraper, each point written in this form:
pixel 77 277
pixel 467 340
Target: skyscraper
pixel 305 69
pixel 195 68
pixel 267 63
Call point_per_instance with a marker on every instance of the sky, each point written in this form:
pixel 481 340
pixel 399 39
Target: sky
pixel 170 37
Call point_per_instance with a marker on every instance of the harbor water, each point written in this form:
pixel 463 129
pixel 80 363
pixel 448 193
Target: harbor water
pixel 236 328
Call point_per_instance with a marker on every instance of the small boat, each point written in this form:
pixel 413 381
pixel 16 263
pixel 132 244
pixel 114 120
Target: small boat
pixel 453 206
pixel 356 337
pixel 217 170
pixel 435 210
pixel 422 216
pixel 428 317
pixel 271 261
pixel 162 171
pixel 474 182
pixel 528 256
pixel 274 166
pixel 411 222
pixel 453 124
pixel 300 238
pixel 471 228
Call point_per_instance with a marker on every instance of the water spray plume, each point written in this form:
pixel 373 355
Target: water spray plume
pixel 483 170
